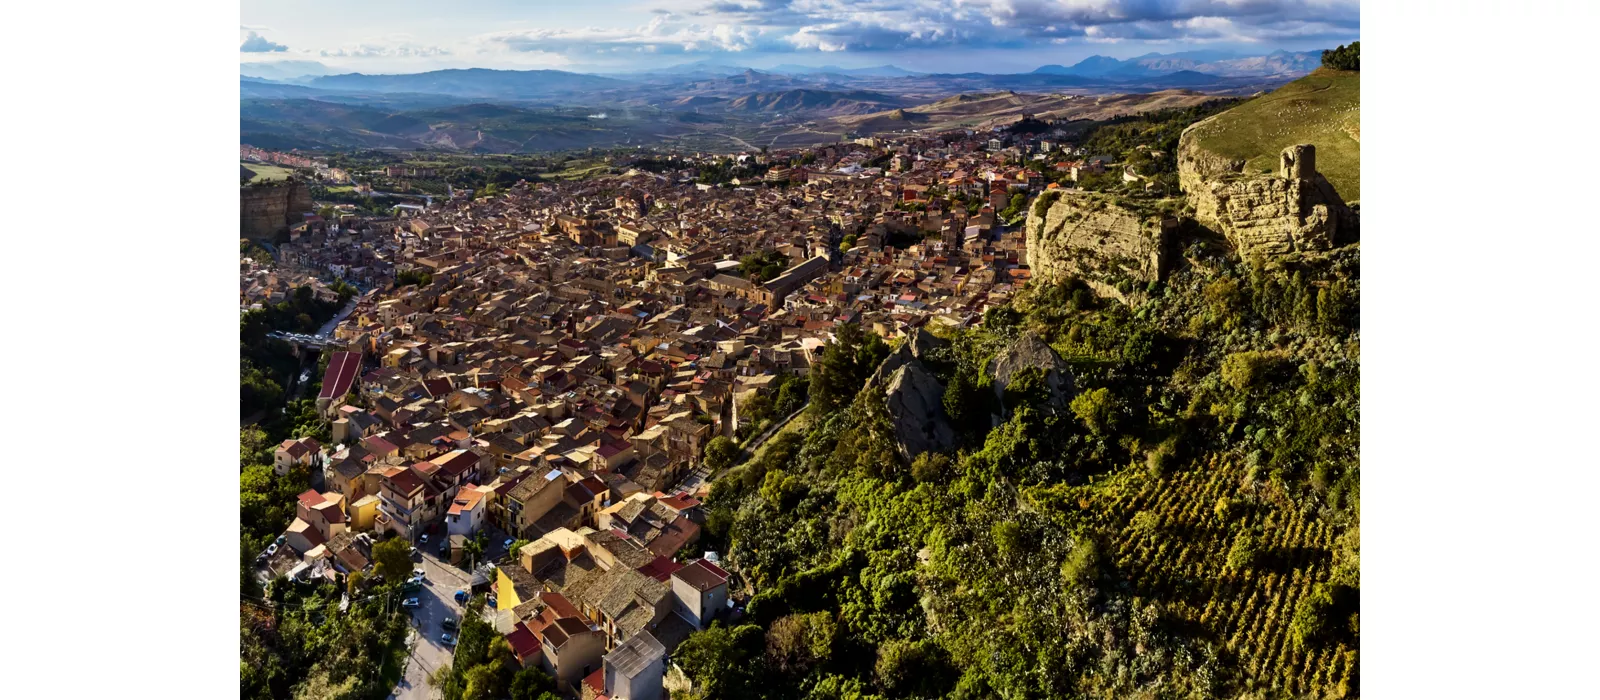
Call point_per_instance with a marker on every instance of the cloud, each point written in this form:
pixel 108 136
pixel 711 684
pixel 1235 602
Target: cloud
pixel 663 34
pixel 735 26
pixel 255 43
pixel 404 50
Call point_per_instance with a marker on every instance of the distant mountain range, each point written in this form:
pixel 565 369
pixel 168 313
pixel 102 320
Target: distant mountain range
pixel 1277 63
pixel 707 105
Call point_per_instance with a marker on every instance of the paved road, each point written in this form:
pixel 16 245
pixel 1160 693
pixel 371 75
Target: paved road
pixel 438 600
pixel 327 328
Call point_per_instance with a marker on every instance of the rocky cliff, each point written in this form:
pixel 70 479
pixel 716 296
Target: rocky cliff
pixel 1029 350
pixel 267 209
pixel 1294 210
pixel 916 407
pixel 914 397
pixel 1099 238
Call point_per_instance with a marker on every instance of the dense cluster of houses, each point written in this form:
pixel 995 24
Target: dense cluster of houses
pixel 574 346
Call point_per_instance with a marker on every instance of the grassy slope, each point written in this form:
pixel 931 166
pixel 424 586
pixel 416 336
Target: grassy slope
pixel 266 171
pixel 1323 108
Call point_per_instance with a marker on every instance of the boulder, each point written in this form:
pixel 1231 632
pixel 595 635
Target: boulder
pixel 915 400
pixel 1030 351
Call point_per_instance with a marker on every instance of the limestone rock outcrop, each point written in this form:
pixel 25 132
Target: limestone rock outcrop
pixel 915 347
pixel 1031 351
pixel 1099 238
pixel 916 409
pixel 1295 210
pixel 267 209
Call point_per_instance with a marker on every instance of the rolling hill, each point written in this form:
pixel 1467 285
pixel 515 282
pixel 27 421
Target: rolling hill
pixel 1322 109
pixel 980 110
pixel 473 82
pixel 822 102
pixel 478 127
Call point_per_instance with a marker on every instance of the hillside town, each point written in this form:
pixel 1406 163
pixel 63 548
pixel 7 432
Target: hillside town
pixel 544 369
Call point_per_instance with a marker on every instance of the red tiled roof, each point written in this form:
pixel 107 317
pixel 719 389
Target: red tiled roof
pixel 560 605
pixel 524 643
pixel 660 568
pixel 342 368
pixel 596 681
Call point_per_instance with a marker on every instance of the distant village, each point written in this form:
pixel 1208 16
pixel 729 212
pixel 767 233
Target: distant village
pixel 549 364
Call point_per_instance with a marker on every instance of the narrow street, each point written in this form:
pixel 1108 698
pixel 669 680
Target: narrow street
pixel 437 599
pixel 327 328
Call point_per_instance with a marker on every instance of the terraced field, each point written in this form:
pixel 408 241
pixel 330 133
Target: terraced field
pixel 1183 558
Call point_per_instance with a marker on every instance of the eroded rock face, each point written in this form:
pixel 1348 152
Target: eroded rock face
pixel 917 346
pixel 268 209
pixel 916 408
pixel 1295 210
pixel 1030 351
pixel 1096 238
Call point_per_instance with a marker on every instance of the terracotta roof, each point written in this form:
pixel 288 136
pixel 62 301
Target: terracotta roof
pixel 523 642
pixel 701 575
pixel 341 374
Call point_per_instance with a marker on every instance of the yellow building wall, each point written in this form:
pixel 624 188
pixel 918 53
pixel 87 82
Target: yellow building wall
pixel 363 512
pixel 505 592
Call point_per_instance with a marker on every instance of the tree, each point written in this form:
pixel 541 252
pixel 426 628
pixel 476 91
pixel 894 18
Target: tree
pixel 1085 564
pixel 1311 621
pixel 1015 208
pixel 1245 551
pixel 474 547
pixel 516 548
pixel 846 364
pixel 533 684
pixel 1247 370
pixel 1097 409
pixel 724 661
pixel 1343 58
pixel 392 559
pixel 721 453
pixel 797 643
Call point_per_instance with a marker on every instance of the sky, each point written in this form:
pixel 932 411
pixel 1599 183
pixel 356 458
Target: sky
pixel 404 36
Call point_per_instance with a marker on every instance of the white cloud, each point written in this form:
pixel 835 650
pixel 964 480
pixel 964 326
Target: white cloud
pixel 386 51
pixel 255 43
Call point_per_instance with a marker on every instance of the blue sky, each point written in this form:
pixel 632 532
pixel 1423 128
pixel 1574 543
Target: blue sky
pixel 392 36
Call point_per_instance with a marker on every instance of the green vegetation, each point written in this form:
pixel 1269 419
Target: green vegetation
pixel 1343 58
pixel 785 395
pixel 1148 143
pixel 1186 528
pixel 1322 109
pixel 266 366
pixel 484 668
pixel 763 266
pixel 262 172
pixel 406 278
pixel 297 644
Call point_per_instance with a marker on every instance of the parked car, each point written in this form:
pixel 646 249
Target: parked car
pixel 416 554
pixel 449 623
pixel 444 548
pixel 424 538
pixel 419 574
pixel 462 597
pixel 281 539
pixel 272 549
pixel 448 639
pixel 410 603
pixel 508 543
